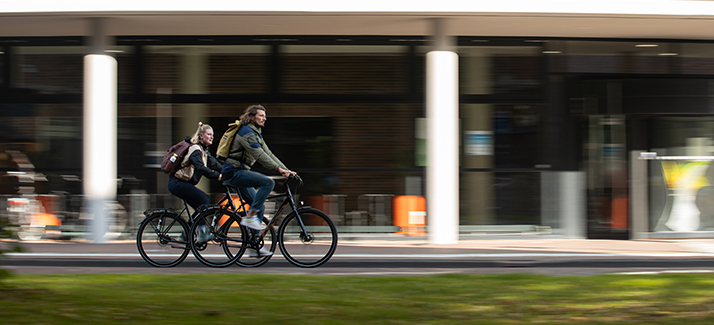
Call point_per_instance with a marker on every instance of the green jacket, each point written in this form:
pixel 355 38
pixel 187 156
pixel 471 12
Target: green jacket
pixel 249 147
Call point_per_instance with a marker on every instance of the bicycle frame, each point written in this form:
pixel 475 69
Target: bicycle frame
pixel 288 201
pixel 180 214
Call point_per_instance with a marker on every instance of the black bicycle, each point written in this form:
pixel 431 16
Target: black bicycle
pixel 307 237
pixel 162 237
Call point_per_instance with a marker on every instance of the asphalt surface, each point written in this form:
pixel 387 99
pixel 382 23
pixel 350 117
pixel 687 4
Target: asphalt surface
pixel 408 256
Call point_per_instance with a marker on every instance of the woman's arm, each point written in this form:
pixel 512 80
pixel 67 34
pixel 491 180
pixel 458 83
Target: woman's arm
pixel 197 162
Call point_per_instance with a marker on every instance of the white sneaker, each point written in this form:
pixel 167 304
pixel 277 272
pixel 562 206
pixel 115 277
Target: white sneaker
pixel 202 235
pixel 263 252
pixel 252 223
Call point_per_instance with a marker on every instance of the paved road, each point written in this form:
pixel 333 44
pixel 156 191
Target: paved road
pixel 368 267
pixel 407 257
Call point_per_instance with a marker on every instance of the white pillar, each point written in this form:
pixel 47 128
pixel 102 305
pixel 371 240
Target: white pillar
pixel 639 196
pixel 442 112
pixel 571 203
pixel 100 130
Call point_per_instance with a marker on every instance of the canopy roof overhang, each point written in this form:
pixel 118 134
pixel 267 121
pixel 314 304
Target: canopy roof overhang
pixel 649 19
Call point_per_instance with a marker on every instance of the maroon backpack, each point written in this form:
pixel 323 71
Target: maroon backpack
pixel 173 158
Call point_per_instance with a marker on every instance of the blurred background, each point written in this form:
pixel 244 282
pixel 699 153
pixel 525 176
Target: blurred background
pixel 544 121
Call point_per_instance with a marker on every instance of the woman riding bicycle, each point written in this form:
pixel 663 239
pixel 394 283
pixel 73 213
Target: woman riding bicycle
pixel 197 163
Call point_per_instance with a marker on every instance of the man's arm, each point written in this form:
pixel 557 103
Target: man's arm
pixel 273 156
pixel 285 171
pixel 250 142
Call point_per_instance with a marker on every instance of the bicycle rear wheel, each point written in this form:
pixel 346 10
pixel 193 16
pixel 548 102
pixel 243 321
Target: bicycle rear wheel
pixel 268 241
pixel 312 247
pixel 224 234
pixel 161 239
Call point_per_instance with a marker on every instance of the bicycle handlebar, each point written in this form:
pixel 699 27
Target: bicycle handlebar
pixel 293 176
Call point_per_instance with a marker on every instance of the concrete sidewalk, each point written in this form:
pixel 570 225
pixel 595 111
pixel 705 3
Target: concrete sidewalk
pixel 472 249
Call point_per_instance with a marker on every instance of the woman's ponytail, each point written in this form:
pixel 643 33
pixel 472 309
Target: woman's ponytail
pixel 197 136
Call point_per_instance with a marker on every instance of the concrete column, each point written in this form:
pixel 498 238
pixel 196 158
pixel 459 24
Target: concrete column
pixel 194 69
pixel 442 112
pixel 571 203
pixel 100 129
pixel 639 196
pixel 477 191
pixel 563 203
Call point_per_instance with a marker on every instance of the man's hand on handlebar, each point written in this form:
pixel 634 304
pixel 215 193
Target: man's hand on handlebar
pixel 286 172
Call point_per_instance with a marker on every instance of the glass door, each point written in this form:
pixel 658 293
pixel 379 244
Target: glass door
pixel 605 163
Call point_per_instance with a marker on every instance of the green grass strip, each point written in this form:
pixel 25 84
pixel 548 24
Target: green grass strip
pixel 216 298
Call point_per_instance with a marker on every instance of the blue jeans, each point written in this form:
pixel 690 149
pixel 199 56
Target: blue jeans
pixel 247 181
pixel 188 192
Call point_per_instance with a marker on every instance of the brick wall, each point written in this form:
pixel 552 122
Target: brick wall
pixel 343 74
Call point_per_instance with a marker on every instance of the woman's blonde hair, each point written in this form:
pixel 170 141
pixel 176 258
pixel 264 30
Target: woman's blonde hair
pixel 202 128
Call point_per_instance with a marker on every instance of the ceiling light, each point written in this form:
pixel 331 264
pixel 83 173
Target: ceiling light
pixel 552 52
pixel 646 45
pixel 668 54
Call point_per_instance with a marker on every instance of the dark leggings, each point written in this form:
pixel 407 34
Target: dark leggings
pixel 188 192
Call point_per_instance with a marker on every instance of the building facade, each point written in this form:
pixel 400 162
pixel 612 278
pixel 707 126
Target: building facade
pixel 554 105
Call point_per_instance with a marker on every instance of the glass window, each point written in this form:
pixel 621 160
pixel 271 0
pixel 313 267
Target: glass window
pixel 2 67
pixel 60 69
pixel 697 58
pixel 499 70
pixel 621 57
pixel 161 66
pixel 518 135
pixel 207 69
pixel 49 69
pixel 312 69
pixel 337 148
pixel 50 135
pixel 501 198
pixel 680 191
pixel 125 67
pixel 239 69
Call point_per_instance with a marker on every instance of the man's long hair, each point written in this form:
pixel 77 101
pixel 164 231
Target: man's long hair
pixel 250 112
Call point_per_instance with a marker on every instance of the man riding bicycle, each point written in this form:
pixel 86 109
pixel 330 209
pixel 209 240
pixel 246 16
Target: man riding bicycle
pixel 249 147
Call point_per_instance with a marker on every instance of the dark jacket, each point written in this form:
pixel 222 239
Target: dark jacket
pixel 248 147
pixel 213 170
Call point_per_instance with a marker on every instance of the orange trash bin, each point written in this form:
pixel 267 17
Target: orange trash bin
pixel 239 208
pixel 410 214
pixel 620 213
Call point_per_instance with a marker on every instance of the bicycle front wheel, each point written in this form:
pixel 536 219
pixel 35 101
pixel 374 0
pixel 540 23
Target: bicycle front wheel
pixel 214 233
pixel 311 245
pixel 161 239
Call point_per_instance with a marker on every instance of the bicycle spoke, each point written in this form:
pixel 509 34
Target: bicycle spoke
pixel 312 245
pixel 159 240
pixel 253 245
pixel 212 232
